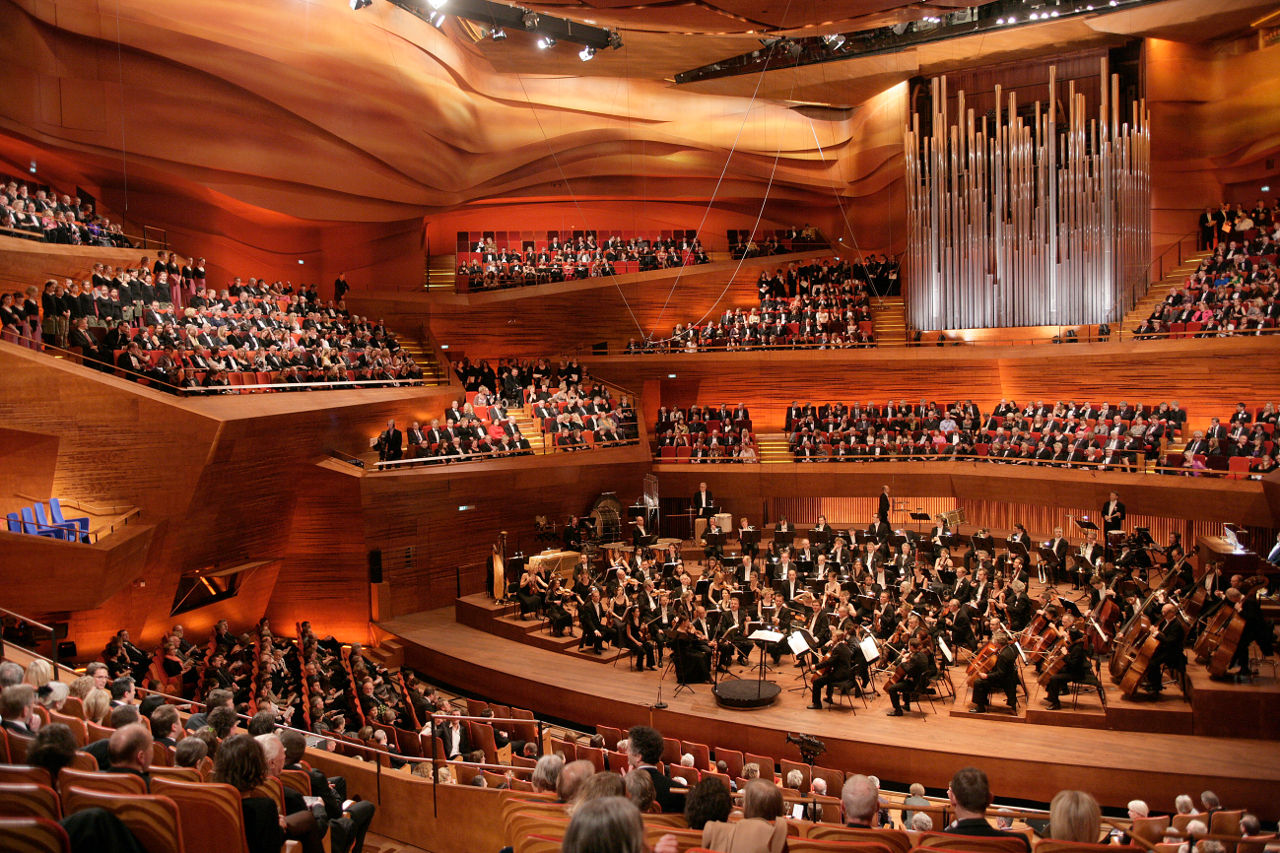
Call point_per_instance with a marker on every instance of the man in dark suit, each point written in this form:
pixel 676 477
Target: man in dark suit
pixel 390 442
pixel 17 708
pixel 970 794
pixel 1171 636
pixel 344 830
pixel 644 751
pixel 703 502
pixel 456 740
pixel 591 619
pixel 883 507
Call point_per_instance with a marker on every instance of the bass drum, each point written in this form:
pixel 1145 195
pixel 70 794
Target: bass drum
pixel 606 516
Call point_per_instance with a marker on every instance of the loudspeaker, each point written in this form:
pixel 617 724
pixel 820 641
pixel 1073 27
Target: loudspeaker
pixel 67 650
pixel 375 566
pixel 601 348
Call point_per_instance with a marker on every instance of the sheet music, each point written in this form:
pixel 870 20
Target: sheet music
pixel 766 636
pixel 946 652
pixel 798 644
pixel 869 650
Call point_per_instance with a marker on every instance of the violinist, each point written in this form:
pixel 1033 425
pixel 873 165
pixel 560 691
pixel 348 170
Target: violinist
pixel 840 556
pixel 1003 676
pixel 731 636
pixel 944 567
pixel 836 667
pixel 1076 669
pixel 582 582
pixel 662 621
pixel 674 559
pixel 635 637
pixel 745 526
pixel 557 614
pixel 531 591
pixel 689 644
pixel 981 591
pixel 616 613
pixel 913 670
pixel 1171 635
pixel 885 619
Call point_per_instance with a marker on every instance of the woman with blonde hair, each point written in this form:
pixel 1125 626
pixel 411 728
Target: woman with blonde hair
pixel 761 829
pixel 1074 816
pixel 39 673
pixel 81 686
pixel 97 705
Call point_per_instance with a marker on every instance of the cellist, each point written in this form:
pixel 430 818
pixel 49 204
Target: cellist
pixel 913 671
pixel 1075 669
pixel 1172 635
pixel 1004 676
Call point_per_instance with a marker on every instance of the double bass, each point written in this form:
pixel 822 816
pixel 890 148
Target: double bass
pixel 1142 653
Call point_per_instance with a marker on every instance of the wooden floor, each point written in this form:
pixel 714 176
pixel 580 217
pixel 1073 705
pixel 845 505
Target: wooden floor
pixel 1024 761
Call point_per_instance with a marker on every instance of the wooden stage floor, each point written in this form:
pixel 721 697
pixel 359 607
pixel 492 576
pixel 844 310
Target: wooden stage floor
pixel 1024 760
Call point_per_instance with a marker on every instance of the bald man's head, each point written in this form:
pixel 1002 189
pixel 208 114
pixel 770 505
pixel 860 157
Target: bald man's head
pixel 130 747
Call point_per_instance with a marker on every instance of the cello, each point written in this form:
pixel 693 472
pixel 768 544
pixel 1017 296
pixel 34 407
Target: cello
pixel 1221 638
pixel 1054 664
pixel 1136 670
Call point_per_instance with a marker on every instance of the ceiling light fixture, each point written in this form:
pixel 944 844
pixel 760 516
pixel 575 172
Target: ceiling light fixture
pixel 357 5
pixel 546 42
pixel 834 41
pixel 530 20
pixel 587 53
pixel 436 19
pixel 498 34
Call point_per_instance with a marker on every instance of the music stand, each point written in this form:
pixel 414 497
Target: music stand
pixel 1048 556
pixel 715 540
pixel 919 517
pixel 764 637
pixel 820 538
pixel 783 538
pixel 749 541
pixel 801 641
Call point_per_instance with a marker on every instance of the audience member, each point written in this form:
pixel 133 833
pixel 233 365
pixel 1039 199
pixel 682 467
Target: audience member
pixel 1074 816
pixel 53 748
pixel 605 825
pixel 970 795
pixel 761 827
pixel 241 763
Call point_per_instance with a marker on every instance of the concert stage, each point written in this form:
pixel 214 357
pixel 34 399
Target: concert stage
pixel 1030 759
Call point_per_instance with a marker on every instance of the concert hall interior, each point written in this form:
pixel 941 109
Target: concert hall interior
pixel 496 408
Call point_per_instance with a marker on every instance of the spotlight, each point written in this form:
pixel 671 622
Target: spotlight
pixel 498 34
pixel 999 22
pixel 546 42
pixel 530 20
pixel 436 19
pixel 357 5
pixel 615 40
pixel 1266 188
pixel 437 4
pixel 834 41
pixel 587 53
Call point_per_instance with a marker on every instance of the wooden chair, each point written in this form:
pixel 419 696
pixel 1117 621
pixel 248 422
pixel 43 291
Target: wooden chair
pixel 1170 847
pixel 895 839
pixel 765 762
pixel 538 844
pixel 701 754
pixel 833 778
pixel 1149 829
pixel 11 774
pixel 273 789
pixel 152 819
pixel 1049 845
pixel 1255 843
pixel 521 824
pixel 493 780
pixel 97 732
pixel 298 780
pixel 686 839
pixel 786 766
pixel 181 774
pixel 33 835
pixel 732 759
pixel 210 814
pixel 161 755
pixel 668 820
pixel 18 746
pixel 611 736
pixel 971 843
pixel 74 706
pixel 76 724
pixel 816 845
pixel 27 799
pixel 594 755
pixel 670 751
pixel 83 761
pixel 115 783
pixel 1226 822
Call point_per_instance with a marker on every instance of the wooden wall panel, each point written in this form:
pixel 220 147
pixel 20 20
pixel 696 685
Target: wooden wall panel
pixel 428 542
pixel 27 262
pixel 573 316
pixel 1214 136
pixel 742 489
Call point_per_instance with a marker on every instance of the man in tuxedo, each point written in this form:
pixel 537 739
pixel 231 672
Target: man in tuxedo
pixel 1197 445
pixel 1112 517
pixel 792 586
pixel 882 509
pixel 390 442
pixel 644 751
pixel 1059 547
pixel 703 502
pixel 591 619
pixel 18 709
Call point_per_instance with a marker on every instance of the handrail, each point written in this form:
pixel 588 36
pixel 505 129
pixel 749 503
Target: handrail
pixel 114 509
pixel 94 533
pixel 29 621
pixel 547 450
pixel 53 640
pixel 162 243
pixel 1118 468
pixel 1159 259
pixel 213 390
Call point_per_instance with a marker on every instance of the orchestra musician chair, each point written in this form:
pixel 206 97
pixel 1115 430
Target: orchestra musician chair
pixel 846 690
pixel 152 819
pixel 29 800
pixel 538 844
pixel 33 835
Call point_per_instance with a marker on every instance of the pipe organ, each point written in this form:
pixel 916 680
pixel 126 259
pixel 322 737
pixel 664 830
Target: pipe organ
pixel 1041 217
